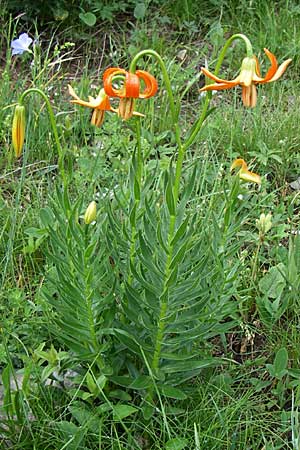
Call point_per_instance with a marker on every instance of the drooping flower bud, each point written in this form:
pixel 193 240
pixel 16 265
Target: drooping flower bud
pixel 18 130
pixel 90 214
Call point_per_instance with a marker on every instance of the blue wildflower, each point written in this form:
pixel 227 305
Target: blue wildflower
pixel 21 45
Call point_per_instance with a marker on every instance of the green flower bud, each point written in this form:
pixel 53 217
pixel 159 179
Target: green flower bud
pixel 91 212
pixel 264 223
pixel 18 130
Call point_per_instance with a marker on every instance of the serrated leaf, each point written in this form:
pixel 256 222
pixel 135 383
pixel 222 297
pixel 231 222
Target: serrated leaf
pixel 176 444
pixel 122 411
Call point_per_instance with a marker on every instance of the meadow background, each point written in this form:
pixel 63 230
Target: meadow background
pixel 51 399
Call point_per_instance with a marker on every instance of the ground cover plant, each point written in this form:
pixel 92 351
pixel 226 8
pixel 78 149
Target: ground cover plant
pixel 150 248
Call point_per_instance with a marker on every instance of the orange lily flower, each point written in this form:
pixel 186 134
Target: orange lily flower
pixel 244 173
pixel 100 104
pixel 130 90
pixel 248 78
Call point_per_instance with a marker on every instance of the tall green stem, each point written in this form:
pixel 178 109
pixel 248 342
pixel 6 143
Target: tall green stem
pixel 88 293
pixel 138 173
pixel 53 125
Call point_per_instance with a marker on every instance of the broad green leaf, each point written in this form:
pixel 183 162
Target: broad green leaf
pixel 72 434
pixel 176 444
pixel 47 217
pixel 36 232
pixel 273 283
pixel 124 381
pixel 139 11
pixel 101 381
pixel 280 362
pixel 92 386
pixel 60 14
pixel 85 416
pixel 147 411
pixel 120 395
pixel 142 382
pixel 88 18
pixel 122 411
pixel 172 392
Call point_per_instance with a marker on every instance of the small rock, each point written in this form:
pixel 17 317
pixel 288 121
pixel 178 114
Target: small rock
pixel 295 184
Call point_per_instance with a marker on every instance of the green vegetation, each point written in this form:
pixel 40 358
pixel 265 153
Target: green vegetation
pixel 172 320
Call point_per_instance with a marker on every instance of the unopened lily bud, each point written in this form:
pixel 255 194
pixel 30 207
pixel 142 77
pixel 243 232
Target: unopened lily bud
pixel 90 214
pixel 18 130
pixel 264 223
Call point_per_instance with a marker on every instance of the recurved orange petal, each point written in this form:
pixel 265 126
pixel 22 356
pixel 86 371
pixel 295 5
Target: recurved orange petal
pixel 150 84
pixel 239 162
pixel 274 65
pixel 216 87
pixel 108 80
pixel 250 176
pixel 281 69
pixel 244 173
pixel 210 75
pixel 72 92
pixel 132 85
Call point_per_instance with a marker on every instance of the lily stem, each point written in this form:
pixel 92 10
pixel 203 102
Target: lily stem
pixel 53 125
pixel 138 174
